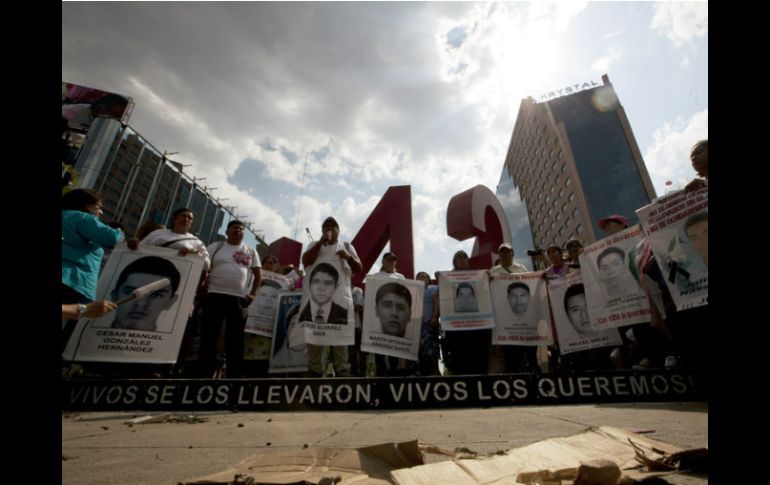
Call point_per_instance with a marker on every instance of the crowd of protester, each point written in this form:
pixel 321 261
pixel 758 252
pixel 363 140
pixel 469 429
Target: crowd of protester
pixel 215 344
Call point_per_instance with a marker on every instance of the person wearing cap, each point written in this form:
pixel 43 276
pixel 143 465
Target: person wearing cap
pixel 609 264
pixel 327 247
pixel 510 358
pixel 613 224
pixel 574 248
pixel 388 268
pixel 507 264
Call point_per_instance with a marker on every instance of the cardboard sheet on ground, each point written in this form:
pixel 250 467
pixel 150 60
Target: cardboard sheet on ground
pixel 363 466
pixel 553 454
pixel 403 463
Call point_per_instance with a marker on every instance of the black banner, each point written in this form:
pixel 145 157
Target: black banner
pixel 378 393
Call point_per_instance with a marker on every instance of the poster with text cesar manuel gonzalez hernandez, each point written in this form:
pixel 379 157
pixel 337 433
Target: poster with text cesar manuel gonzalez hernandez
pixel 464 300
pixel 155 289
pixel 392 317
pixel 615 298
pixel 677 230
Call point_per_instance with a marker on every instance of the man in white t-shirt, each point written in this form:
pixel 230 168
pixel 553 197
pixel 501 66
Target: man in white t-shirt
pixel 233 266
pixel 329 247
pixel 388 267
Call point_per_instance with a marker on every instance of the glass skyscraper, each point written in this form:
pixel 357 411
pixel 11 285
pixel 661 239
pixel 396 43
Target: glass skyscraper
pixel 575 160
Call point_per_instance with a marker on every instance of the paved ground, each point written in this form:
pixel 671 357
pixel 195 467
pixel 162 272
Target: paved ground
pixel 99 449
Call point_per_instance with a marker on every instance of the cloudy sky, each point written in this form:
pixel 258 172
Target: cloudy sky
pixel 370 95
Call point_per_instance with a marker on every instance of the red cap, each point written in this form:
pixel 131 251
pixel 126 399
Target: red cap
pixel 614 217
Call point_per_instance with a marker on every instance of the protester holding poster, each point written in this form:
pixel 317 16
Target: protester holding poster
pixel 260 319
pixel 468 333
pixel 506 353
pixel 615 296
pixel 581 347
pixel 330 264
pixel 676 225
pixel 391 327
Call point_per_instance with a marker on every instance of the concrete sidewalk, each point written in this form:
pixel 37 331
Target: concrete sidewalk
pixel 99 449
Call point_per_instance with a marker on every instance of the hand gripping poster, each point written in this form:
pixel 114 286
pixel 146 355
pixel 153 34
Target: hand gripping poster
pixel 392 317
pixel 262 311
pixel 289 352
pixel 154 289
pixel 520 303
pixel 327 304
pixel 464 300
pixel 615 298
pixel 677 227
pixel 570 313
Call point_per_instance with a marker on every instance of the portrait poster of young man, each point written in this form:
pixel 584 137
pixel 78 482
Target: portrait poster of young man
pixel 570 313
pixel 147 326
pixel 327 305
pixel 520 303
pixel 615 298
pixel 392 317
pixel 464 300
pixel 261 314
pixel 289 351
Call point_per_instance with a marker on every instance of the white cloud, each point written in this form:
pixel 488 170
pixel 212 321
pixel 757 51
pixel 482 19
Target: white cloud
pixel 613 34
pixel 668 159
pixel 602 64
pixel 245 90
pixel 681 22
